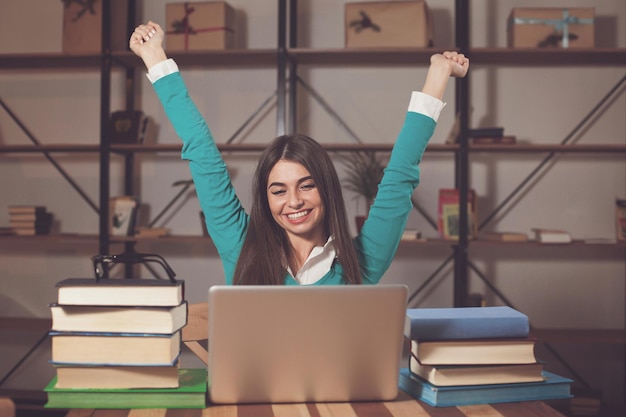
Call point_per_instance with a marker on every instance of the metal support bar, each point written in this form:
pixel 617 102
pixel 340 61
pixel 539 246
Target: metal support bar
pixel 430 278
pixel 462 41
pixel 551 155
pixel 23 359
pixel 105 110
pixel 424 214
pixel 252 117
pixel 47 155
pixel 281 68
pixel 293 68
pixel 329 109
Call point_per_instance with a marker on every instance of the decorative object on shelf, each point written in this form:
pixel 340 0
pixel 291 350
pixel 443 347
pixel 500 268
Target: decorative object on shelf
pixel 82 25
pixel 448 214
pixel 364 171
pixel 197 26
pixel 552 235
pixel 123 215
pixel 620 218
pixel 388 24
pixel 129 126
pixel 551 27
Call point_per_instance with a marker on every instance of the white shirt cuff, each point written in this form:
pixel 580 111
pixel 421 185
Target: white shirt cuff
pixel 427 105
pixel 161 69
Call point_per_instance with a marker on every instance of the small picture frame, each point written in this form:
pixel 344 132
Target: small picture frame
pixel 122 215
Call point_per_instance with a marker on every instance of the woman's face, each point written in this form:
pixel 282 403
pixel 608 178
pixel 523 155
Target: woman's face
pixel 295 202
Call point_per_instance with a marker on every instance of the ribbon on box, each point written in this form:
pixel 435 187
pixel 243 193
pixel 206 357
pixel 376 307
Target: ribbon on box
pixel 559 24
pixel 85 6
pixel 182 26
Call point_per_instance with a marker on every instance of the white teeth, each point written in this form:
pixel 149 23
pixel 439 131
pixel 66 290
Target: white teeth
pixel 296 216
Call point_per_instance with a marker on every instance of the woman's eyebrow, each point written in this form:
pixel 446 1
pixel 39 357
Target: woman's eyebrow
pixel 281 184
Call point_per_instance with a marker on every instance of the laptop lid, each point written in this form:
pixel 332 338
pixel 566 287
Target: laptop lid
pixel 273 344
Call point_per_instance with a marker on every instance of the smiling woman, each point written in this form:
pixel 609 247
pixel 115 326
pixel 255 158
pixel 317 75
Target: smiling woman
pixel 297 232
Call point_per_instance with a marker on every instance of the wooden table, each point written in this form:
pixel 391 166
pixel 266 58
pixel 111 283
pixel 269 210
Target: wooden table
pixel 404 406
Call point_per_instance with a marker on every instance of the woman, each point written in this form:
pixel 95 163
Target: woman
pixel 297 230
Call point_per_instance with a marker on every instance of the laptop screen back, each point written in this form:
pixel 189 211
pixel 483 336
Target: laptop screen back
pixel 272 344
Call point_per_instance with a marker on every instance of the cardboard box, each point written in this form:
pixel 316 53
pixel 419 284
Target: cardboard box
pixel 551 27
pixel 82 26
pixel 388 24
pixel 198 26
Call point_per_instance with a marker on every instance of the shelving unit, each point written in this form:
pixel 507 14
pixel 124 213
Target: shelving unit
pixel 286 59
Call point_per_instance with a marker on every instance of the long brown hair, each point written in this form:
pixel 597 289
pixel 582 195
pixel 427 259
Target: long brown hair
pixel 266 248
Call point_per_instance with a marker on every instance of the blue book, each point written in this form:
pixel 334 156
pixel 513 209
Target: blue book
pixel 553 387
pixel 465 323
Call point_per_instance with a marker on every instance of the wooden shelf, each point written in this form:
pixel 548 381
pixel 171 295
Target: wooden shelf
pixel 50 61
pixel 548 57
pixel 255 58
pixel 478 56
pixel 542 148
pixel 252 58
pixel 175 147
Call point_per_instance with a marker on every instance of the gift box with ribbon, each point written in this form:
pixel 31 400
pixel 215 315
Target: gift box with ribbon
pixel 197 26
pixel 388 24
pixel 551 27
pixel 82 26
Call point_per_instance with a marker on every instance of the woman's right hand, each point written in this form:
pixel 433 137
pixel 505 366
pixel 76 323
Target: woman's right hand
pixel 147 43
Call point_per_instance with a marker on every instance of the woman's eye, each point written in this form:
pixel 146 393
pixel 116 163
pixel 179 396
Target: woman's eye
pixel 308 186
pixel 277 192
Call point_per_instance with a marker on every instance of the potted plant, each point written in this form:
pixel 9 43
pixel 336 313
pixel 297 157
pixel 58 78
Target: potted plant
pixel 364 171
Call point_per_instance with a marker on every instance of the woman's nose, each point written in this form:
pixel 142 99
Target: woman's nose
pixel 295 201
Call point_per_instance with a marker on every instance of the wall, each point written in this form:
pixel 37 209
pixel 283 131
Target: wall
pixel 556 287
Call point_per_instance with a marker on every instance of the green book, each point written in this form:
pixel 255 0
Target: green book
pixel 190 394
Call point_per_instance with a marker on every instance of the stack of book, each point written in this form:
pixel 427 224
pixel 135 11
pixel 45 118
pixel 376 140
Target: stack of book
pixel 116 343
pixel 475 355
pixel 29 220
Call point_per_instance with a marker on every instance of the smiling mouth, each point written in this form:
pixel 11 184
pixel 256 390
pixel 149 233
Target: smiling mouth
pixel 299 215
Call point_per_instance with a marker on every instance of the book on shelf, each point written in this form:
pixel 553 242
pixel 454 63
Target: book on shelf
pixel 39 225
pixel 26 209
pixel 448 375
pixel 465 323
pixel 486 132
pixel 122 377
pixel 122 319
pixel 120 292
pixel 191 393
pixel 411 235
pixel 505 236
pixel 552 235
pixel 475 351
pixel 132 349
pixel 620 218
pixel 493 140
pixel 448 212
pixel 552 387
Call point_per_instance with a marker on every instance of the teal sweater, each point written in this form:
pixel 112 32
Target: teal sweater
pixel 227 221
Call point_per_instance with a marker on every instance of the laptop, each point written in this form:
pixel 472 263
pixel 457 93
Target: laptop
pixel 293 344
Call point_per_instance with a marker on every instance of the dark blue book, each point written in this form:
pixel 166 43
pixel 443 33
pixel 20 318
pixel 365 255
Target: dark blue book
pixel 553 387
pixel 465 323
